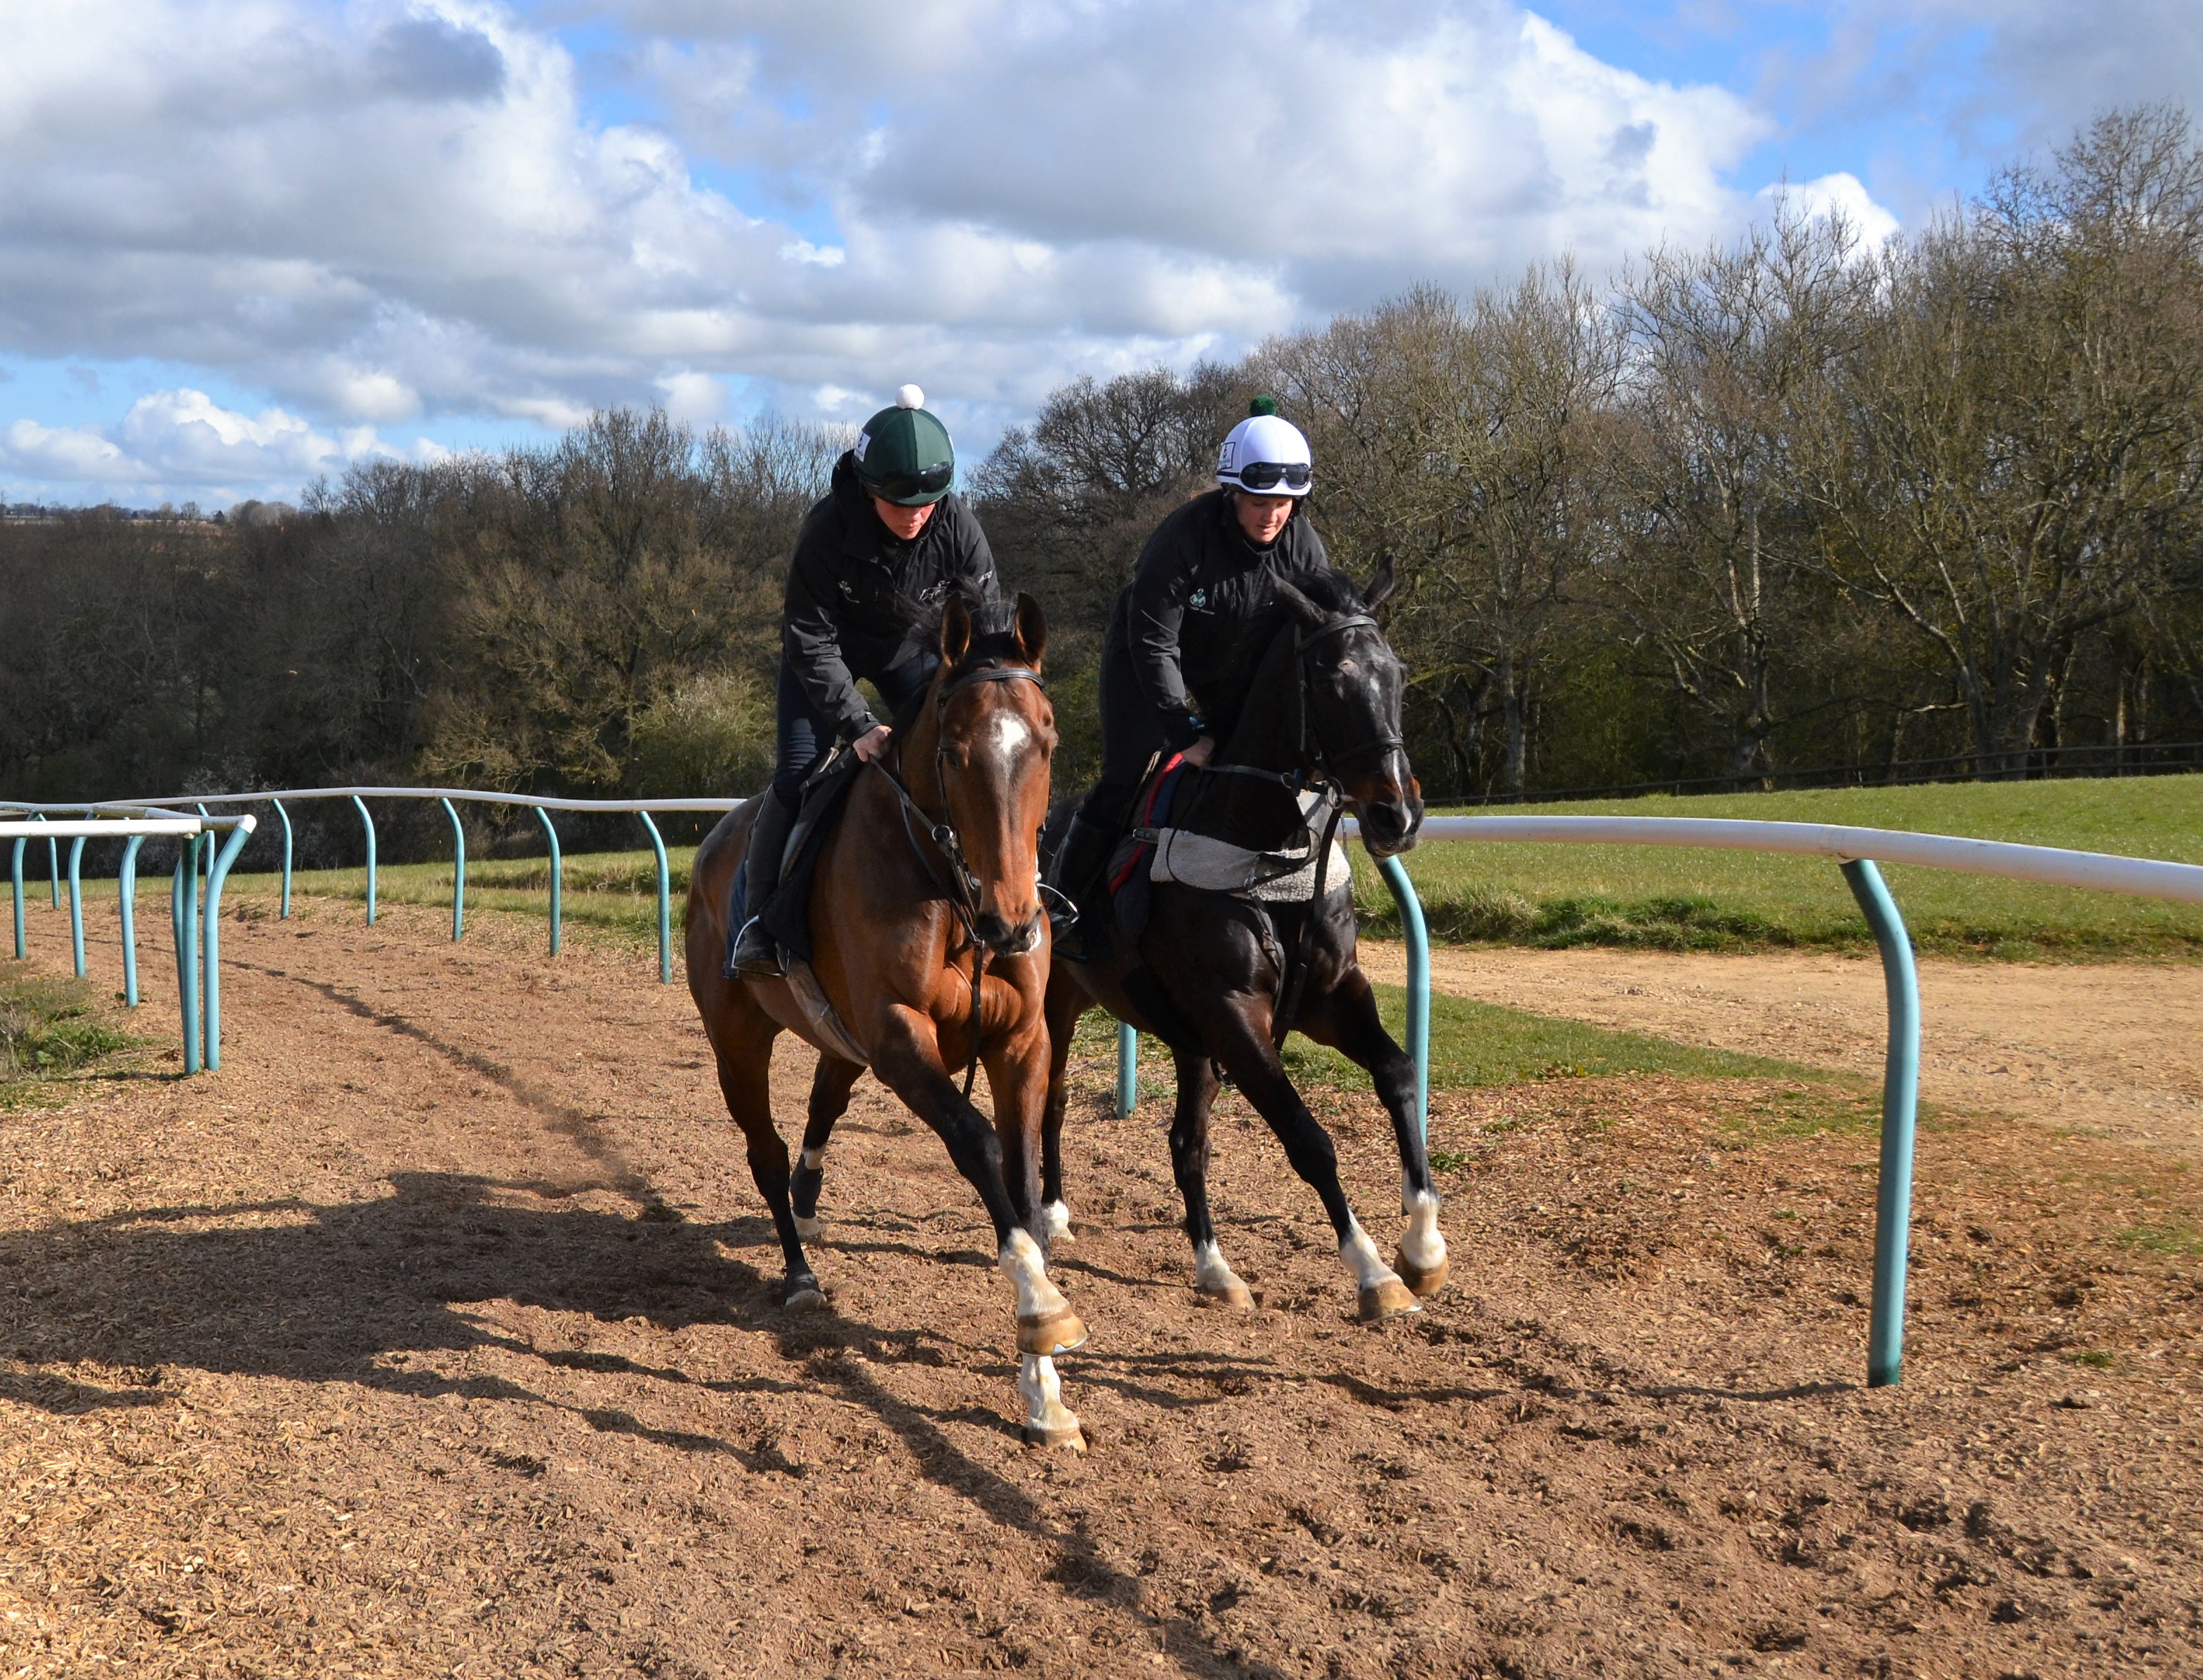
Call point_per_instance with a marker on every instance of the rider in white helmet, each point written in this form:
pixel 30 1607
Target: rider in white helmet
pixel 1204 574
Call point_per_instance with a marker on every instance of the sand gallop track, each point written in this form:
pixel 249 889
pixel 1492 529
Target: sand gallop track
pixel 436 1335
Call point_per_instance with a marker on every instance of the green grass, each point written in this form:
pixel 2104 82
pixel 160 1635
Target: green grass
pixel 51 1031
pixel 1653 897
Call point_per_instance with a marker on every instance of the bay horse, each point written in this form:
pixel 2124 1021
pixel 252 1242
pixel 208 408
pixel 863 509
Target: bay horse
pixel 1322 698
pixel 929 945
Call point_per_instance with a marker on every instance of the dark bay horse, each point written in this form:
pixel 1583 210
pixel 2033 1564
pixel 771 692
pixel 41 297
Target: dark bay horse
pixel 1323 692
pixel 932 869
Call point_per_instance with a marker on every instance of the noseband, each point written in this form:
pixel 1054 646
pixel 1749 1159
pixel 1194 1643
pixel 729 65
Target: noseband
pixel 962 888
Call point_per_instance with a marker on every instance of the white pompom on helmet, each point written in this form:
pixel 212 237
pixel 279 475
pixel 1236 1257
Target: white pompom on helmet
pixel 1266 454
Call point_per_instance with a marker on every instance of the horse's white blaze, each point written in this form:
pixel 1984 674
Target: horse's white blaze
pixel 1212 1273
pixel 1056 1219
pixel 1423 1243
pixel 1021 1262
pixel 1045 1411
pixel 1363 1259
pixel 815 1158
pixel 1012 735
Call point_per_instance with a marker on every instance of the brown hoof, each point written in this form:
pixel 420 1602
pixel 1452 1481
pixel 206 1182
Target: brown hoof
pixel 1388 1299
pixel 1425 1284
pixel 1070 1435
pixel 1063 1334
pixel 1234 1297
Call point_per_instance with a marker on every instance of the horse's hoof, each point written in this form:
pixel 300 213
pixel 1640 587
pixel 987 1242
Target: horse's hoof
pixel 1425 1284
pixel 1232 1296
pixel 1061 1333
pixel 1040 1434
pixel 811 1228
pixel 803 1295
pixel 1387 1300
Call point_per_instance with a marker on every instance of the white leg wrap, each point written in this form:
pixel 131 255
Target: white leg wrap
pixel 1363 1259
pixel 1056 1218
pixel 1212 1273
pixel 1423 1243
pixel 1047 1418
pixel 1021 1262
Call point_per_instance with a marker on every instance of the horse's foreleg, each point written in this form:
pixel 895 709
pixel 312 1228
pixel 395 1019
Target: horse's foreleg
pixel 1214 1279
pixel 744 1067
pixel 1240 1040
pixel 829 1100
pixel 1063 1005
pixel 907 1059
pixel 1346 1018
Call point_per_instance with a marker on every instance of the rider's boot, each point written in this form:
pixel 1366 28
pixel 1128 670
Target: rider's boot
pixel 755 956
pixel 1080 866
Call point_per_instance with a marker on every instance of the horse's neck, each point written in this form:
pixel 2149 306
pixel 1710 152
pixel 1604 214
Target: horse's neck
pixel 1267 735
pixel 916 760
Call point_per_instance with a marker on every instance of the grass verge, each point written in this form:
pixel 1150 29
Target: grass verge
pixel 53 1032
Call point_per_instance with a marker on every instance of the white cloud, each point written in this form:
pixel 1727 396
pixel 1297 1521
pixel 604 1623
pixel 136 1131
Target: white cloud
pixel 1842 194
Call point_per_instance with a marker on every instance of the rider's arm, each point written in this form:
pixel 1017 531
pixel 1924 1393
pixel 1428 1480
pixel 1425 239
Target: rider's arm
pixel 810 639
pixel 1154 614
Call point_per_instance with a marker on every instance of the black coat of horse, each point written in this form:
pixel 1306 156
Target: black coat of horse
pixel 1321 696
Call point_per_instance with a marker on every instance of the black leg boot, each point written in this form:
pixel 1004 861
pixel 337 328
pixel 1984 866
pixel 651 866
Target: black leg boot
pixel 1080 868
pixel 754 956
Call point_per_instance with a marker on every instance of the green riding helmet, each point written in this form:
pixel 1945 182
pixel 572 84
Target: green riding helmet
pixel 903 454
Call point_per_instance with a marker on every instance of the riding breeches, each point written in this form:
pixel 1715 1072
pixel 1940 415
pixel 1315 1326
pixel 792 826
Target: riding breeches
pixel 1131 735
pixel 803 735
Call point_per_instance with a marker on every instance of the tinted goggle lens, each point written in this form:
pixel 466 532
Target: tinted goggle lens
pixel 1268 475
pixel 931 482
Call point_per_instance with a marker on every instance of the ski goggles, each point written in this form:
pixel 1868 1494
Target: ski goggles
pixel 929 482
pixel 1268 475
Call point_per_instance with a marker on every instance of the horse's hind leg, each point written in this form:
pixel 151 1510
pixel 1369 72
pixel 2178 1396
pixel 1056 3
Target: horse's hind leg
pixel 745 1066
pixel 1061 1008
pixel 1214 1279
pixel 1346 1018
pixel 829 1100
pixel 1241 1042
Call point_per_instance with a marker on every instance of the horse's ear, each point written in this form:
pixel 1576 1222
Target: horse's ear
pixel 1382 582
pixel 1302 608
pixel 1032 630
pixel 956 632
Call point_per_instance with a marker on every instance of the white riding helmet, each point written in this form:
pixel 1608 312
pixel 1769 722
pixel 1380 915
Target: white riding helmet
pixel 1265 455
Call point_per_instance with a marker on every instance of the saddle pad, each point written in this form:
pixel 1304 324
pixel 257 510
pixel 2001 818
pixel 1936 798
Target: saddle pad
pixel 1217 866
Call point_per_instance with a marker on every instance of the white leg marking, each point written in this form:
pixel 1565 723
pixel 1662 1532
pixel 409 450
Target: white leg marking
pixel 1055 1217
pixel 1021 1262
pixel 810 1229
pixel 814 1158
pixel 1423 1244
pixel 1048 1420
pixel 1363 1259
pixel 1212 1273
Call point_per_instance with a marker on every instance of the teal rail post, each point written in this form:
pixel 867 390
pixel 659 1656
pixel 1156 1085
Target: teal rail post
pixel 183 905
pixel 204 814
pixel 217 873
pixel 1900 1099
pixel 125 883
pixel 664 903
pixel 76 903
pixel 1128 1071
pixel 1419 984
pixel 458 871
pixel 53 863
pixel 361 805
pixel 557 878
pixel 285 816
pixel 15 880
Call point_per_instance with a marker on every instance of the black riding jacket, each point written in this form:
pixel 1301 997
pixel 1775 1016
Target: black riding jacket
pixel 847 583
pixel 1198 582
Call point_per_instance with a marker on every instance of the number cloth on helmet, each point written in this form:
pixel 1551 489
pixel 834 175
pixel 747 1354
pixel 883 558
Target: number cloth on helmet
pixel 1266 454
pixel 903 454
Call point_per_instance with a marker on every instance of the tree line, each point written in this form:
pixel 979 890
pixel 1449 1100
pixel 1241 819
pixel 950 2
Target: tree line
pixel 1791 500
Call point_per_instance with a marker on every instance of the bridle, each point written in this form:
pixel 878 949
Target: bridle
pixel 962 887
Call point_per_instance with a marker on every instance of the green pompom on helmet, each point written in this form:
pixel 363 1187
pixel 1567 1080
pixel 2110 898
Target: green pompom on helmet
pixel 903 454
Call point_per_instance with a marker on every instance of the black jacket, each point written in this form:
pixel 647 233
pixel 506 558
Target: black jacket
pixel 843 617
pixel 1198 582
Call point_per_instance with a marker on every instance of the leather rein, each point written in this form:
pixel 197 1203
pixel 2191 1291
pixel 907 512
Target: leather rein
pixel 962 887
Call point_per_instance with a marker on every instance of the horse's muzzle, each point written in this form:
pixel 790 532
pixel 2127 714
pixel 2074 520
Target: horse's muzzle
pixel 1389 826
pixel 1001 939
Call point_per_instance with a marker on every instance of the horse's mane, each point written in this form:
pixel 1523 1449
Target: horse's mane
pixel 1333 591
pixel 994 633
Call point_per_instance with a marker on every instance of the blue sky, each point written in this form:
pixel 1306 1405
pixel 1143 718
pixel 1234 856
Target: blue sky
pixel 244 244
